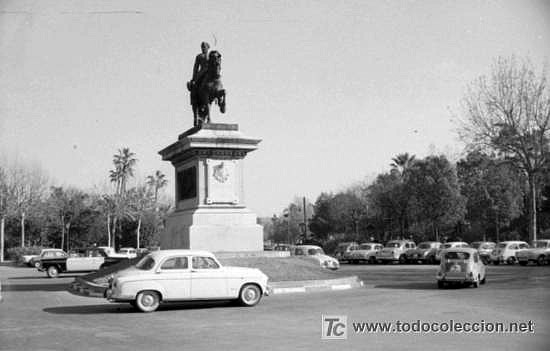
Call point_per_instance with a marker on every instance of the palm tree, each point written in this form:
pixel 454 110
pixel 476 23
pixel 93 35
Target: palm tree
pixel 124 163
pixel 157 181
pixel 402 163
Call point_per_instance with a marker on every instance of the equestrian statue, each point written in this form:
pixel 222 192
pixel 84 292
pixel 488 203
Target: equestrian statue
pixel 206 86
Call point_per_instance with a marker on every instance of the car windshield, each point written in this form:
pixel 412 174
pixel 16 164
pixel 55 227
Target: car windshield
pixel 476 245
pixel 539 244
pixel 317 251
pixel 457 256
pixel 447 246
pixel 393 244
pixel 487 246
pixel 145 263
pixel 424 246
pixel 364 247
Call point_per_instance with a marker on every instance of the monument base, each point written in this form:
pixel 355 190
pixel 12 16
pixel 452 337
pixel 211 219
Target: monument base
pixel 220 230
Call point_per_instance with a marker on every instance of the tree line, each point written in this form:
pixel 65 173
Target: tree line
pixel 499 189
pixel 35 212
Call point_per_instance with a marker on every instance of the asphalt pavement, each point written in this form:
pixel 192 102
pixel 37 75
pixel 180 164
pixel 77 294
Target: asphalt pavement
pixel 38 313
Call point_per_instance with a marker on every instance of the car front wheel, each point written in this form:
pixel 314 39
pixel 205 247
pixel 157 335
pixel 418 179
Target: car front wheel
pixel 511 260
pixel 147 301
pixel 250 295
pixel 53 272
pixel 541 260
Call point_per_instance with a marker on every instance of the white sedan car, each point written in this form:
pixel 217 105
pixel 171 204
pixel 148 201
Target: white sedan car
pixel 316 253
pixel 461 265
pixel 179 275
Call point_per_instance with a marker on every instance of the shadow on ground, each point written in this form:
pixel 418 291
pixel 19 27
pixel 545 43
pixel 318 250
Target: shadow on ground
pixel 126 308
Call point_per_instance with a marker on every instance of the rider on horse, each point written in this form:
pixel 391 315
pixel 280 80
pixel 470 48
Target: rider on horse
pixel 206 86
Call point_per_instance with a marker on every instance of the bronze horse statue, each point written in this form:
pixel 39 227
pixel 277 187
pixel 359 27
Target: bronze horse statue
pixel 208 90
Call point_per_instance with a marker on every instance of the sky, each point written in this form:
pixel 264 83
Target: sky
pixel 333 89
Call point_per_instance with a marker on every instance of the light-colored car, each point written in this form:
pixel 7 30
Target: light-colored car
pixel 316 253
pixel 424 252
pixel 344 249
pixel 506 251
pixel 395 250
pixel 28 259
pixel 461 265
pixel 365 252
pixel 450 245
pixel 129 252
pixel 484 248
pixel 539 253
pixel 180 275
pixel 110 252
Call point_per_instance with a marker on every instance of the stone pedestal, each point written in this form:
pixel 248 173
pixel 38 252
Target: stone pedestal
pixel 210 212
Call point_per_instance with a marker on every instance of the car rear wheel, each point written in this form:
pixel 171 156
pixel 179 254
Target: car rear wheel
pixel 523 263
pixel 511 260
pixel 402 259
pixel 483 281
pixel 496 263
pixel 475 284
pixel 53 272
pixel 147 301
pixel 541 260
pixel 440 285
pixel 372 260
pixel 36 264
pixel 250 295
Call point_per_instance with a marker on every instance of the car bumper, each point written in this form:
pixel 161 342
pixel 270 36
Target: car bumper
pixel 456 279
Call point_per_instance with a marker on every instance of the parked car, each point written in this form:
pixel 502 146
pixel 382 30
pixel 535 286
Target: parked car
pixel 344 249
pixel 506 251
pixel 28 259
pixel 424 252
pixel 1 299
pixel 395 250
pixel 316 253
pixel 484 248
pixel 93 260
pixel 365 252
pixel 129 252
pixel 461 265
pixel 179 275
pixel 46 253
pixel 449 245
pixel 282 247
pixel 110 252
pixel 539 253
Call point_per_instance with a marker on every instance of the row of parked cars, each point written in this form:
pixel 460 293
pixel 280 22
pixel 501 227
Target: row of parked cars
pixel 406 251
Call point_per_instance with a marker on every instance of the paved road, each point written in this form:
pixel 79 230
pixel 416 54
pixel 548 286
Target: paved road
pixel 37 313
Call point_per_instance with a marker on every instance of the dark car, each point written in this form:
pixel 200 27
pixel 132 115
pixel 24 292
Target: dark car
pixel 92 260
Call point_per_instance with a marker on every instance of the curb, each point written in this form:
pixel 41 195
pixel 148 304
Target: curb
pixel 309 286
pixel 85 288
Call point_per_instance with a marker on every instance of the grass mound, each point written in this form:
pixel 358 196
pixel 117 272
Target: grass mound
pixel 276 268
